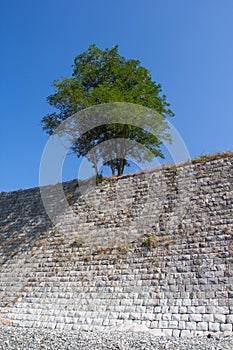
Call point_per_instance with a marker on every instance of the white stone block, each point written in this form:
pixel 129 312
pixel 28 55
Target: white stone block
pixel 230 319
pixel 156 332
pixel 208 318
pixel 219 318
pixel 202 326
pixel 167 332
pixel 182 325
pixel 173 324
pixel 176 333
pixel 214 327
pixel 176 317
pixel 195 317
pixel 163 324
pixel 226 327
pixel 191 326
pixel 222 310
pixel 166 317
pixel 185 333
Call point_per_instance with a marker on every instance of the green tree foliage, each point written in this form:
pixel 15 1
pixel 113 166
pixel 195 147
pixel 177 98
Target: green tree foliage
pixel 101 77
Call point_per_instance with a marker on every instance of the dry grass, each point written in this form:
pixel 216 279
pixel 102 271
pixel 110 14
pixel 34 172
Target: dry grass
pixel 199 160
pixel 79 240
pixel 121 249
pixel 152 241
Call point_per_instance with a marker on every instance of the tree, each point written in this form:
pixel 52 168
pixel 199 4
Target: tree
pixel 102 77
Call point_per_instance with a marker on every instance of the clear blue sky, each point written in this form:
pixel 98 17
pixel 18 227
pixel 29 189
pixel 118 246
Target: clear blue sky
pixel 186 44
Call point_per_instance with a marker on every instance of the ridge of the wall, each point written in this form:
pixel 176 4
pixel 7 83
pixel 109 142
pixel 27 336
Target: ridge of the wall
pixel 153 250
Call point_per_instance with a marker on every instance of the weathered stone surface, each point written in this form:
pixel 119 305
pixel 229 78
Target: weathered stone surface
pixel 156 254
pixel 5 322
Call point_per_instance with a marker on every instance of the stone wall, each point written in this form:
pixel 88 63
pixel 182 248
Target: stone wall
pixel 148 251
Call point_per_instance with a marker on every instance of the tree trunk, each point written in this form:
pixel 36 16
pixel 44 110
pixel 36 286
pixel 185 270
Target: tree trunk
pixel 121 166
pixel 121 162
pixel 94 161
pixel 112 166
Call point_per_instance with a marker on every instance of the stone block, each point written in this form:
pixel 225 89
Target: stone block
pixel 174 309
pixel 185 334
pixel 191 326
pixel 163 324
pixel 167 332
pixel 222 310
pixel 195 317
pixel 156 332
pixel 200 309
pixel 135 316
pixel 210 309
pixel 166 317
pixel 176 333
pixel 214 326
pixel 173 324
pixel 229 319
pixel 202 326
pixel 182 325
pixel 176 317
pixel 149 316
pixel 226 327
pixel 59 326
pixel 219 318
pixel 157 317
pixel 184 317
pixel 157 309
pixel 183 309
pixel 154 324
pixel 208 317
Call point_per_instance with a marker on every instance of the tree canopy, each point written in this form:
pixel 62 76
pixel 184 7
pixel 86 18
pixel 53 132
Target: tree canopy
pixel 103 77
